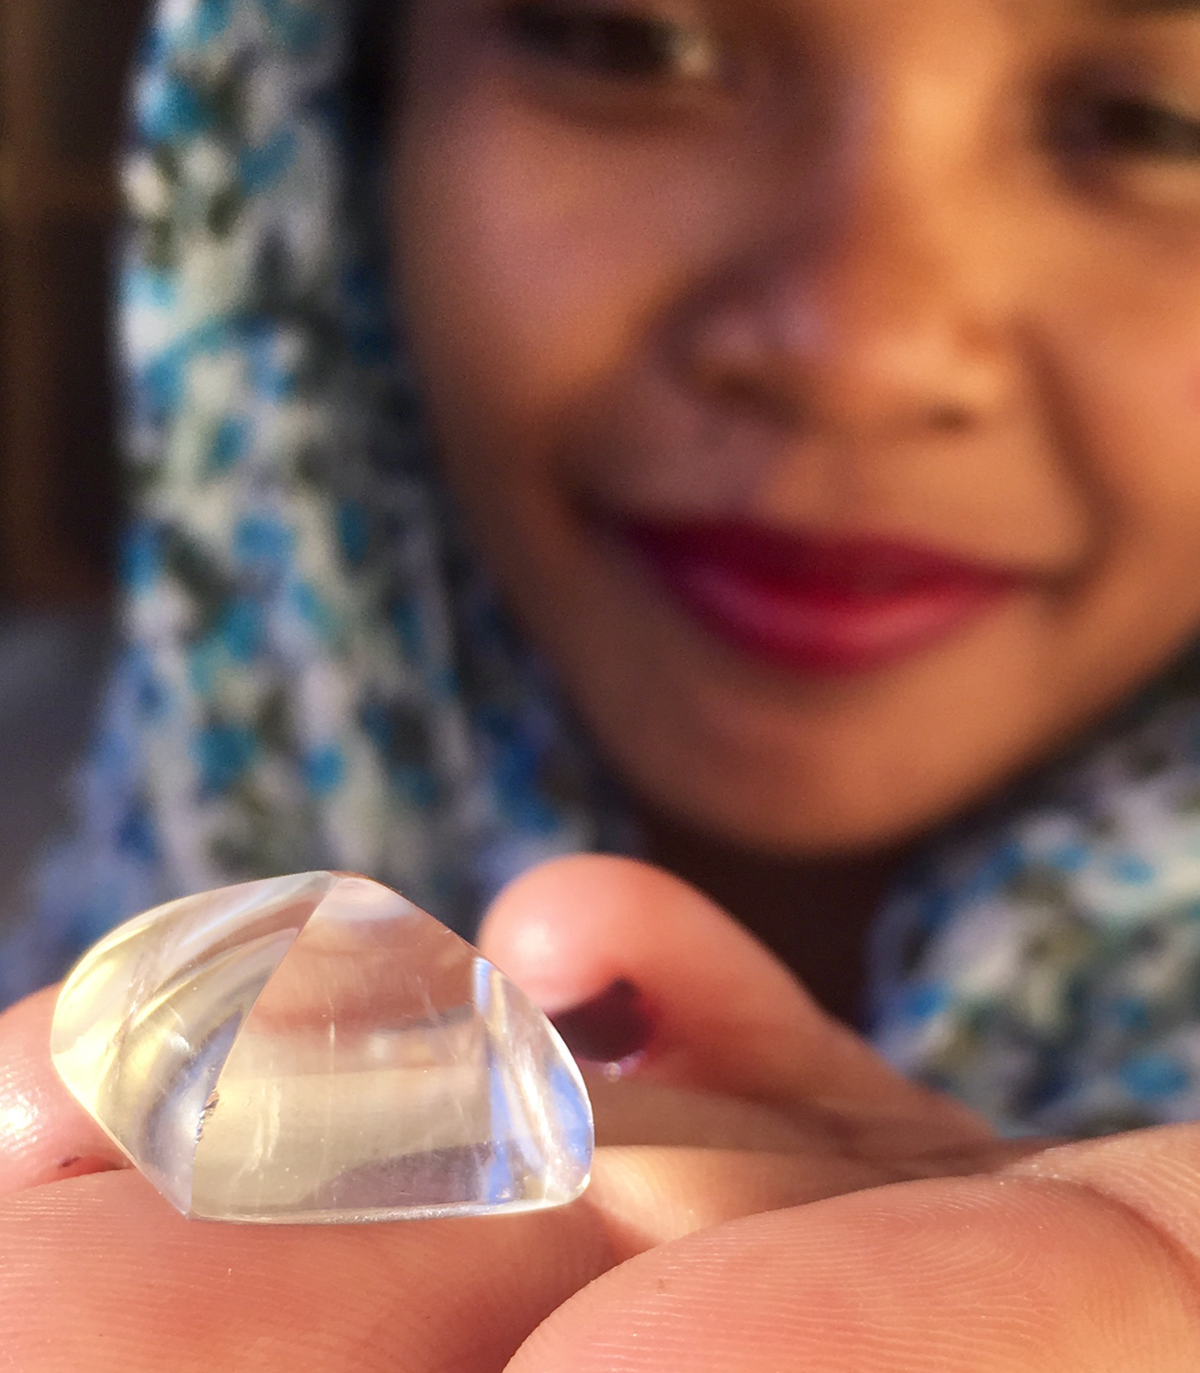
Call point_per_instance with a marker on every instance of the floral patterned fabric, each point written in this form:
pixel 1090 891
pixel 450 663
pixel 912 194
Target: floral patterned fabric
pixel 1043 965
pixel 316 674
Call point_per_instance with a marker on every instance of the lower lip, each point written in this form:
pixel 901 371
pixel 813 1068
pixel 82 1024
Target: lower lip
pixel 814 620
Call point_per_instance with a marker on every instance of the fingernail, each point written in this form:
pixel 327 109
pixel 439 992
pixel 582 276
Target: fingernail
pixel 613 1028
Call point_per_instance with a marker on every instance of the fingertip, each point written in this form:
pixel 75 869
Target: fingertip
pixel 971 1273
pixel 725 1014
pixel 619 954
pixel 557 930
pixel 45 1135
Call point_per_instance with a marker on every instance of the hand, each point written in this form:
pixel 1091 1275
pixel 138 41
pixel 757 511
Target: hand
pixel 96 1272
pixel 741 1058
pixel 1071 1258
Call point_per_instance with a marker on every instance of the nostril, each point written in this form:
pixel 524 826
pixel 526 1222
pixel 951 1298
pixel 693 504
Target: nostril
pixel 950 419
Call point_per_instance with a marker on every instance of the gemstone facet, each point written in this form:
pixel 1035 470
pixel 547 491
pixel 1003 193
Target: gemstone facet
pixel 315 1048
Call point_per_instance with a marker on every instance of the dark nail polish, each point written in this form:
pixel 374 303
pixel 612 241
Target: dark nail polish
pixel 611 1028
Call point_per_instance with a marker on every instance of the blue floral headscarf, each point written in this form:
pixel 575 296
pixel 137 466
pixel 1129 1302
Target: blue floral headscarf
pixel 315 673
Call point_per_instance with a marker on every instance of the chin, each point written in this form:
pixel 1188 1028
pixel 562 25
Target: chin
pixel 812 783
pixel 782 811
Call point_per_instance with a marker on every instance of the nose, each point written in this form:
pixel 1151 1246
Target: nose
pixel 880 318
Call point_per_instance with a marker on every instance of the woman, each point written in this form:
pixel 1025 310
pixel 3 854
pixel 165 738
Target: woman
pixel 818 389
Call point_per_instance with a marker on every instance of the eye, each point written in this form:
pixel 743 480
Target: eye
pixel 1127 127
pixel 622 44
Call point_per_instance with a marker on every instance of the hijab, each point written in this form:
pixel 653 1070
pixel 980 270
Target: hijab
pixel 317 674
pixel 314 672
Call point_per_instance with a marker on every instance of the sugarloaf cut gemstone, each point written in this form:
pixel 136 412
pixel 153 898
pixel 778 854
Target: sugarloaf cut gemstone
pixel 315 1048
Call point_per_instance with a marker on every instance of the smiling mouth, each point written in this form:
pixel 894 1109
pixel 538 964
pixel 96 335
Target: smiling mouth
pixel 814 606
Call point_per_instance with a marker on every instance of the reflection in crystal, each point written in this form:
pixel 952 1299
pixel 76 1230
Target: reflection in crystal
pixel 316 1048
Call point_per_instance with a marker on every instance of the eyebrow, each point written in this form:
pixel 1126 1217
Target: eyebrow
pixel 1149 7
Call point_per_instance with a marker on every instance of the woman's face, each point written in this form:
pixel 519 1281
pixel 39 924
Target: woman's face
pixel 822 377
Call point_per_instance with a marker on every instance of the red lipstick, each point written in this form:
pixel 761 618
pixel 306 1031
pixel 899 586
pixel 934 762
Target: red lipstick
pixel 818 606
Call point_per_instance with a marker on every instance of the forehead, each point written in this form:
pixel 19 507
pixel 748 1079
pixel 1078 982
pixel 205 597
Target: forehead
pixel 873 19
pixel 974 31
pixel 1032 10
pixel 963 42
pixel 957 26
pixel 1024 12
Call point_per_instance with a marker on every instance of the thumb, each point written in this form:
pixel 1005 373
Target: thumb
pixel 1083 1257
pixel 684 984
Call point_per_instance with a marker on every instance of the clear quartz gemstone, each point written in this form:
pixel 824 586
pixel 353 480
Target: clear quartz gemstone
pixel 315 1048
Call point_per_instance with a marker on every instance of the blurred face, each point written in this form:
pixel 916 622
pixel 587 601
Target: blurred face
pixel 822 377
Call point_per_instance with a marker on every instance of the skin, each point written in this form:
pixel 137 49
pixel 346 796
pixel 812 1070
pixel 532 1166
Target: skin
pixel 850 282
pixel 869 300
pixel 851 279
pixel 769 1196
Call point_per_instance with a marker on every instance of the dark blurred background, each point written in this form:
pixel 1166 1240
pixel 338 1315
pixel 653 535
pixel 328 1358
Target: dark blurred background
pixel 63 67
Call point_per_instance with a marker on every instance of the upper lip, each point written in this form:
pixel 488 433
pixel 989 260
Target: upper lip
pixel 851 566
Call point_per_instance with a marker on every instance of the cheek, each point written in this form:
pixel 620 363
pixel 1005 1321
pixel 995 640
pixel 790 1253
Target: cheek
pixel 1144 435
pixel 1118 337
pixel 537 266
pixel 499 266
pixel 1135 417
pixel 1192 391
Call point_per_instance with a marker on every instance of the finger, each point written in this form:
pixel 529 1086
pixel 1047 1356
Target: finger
pixel 633 1112
pixel 726 1015
pixel 1025 1274
pixel 650 1195
pixel 100 1274
pixel 1152 1174
pixel 45 1135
